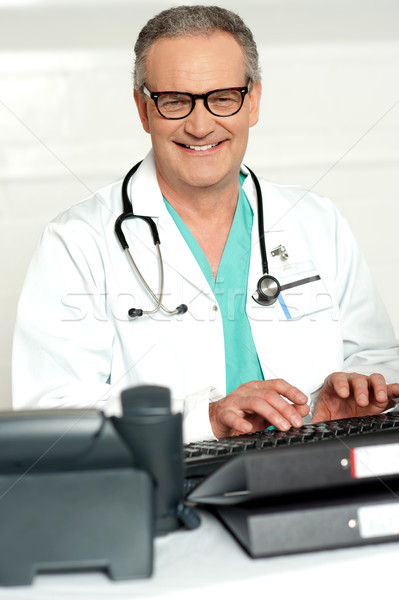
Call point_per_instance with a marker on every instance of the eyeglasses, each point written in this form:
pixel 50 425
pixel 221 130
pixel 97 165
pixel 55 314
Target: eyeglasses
pixel 178 105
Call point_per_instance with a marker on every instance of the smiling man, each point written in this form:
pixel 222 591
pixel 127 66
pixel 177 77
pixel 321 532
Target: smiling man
pixel 198 154
pixel 276 310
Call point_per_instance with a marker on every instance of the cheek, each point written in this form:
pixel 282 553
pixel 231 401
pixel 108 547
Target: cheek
pixel 158 138
pixel 163 132
pixel 242 133
pixel 240 128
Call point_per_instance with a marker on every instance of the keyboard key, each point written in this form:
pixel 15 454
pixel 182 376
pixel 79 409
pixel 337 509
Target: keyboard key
pixel 190 452
pixel 266 444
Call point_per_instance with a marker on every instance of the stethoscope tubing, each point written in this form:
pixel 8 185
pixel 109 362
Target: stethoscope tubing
pixel 266 282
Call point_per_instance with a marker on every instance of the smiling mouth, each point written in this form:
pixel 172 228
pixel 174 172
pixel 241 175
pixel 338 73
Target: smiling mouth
pixel 200 148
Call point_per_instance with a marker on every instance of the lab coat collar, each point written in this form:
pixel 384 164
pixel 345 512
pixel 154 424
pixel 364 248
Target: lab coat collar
pixel 147 200
pixel 145 191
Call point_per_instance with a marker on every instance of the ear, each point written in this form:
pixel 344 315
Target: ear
pixel 142 107
pixel 254 99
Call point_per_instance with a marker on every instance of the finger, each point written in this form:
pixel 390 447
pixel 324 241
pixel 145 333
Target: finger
pixel 303 409
pixel 340 383
pixel 283 388
pixel 378 385
pixel 229 418
pixel 360 389
pixel 393 390
pixel 292 416
pixel 277 410
pixel 262 399
pixel 262 404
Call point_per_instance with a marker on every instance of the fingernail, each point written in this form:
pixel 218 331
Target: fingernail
pixel 297 421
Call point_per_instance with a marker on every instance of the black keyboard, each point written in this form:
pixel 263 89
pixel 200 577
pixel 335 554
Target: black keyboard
pixel 202 458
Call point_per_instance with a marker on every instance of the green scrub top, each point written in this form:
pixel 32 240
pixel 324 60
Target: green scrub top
pixel 230 290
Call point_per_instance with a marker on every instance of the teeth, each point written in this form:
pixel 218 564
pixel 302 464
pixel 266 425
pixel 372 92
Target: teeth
pixel 201 148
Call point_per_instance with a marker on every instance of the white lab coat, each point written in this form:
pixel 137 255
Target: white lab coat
pixel 75 346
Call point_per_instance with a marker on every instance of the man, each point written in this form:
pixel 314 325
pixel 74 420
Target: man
pixel 233 364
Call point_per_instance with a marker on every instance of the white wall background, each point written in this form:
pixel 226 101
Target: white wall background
pixel 330 118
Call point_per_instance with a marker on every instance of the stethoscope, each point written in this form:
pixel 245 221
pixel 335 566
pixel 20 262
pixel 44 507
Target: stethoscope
pixel 268 287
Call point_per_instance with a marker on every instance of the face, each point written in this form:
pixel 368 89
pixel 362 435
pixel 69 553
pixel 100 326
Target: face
pixel 202 150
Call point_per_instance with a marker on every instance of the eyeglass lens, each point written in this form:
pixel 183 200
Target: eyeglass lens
pixel 220 103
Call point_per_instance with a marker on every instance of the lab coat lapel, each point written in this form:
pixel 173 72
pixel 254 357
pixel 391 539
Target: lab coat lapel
pixel 273 213
pixel 177 257
pixel 283 343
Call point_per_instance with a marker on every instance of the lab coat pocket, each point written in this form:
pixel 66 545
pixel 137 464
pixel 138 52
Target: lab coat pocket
pixel 303 293
pixel 298 338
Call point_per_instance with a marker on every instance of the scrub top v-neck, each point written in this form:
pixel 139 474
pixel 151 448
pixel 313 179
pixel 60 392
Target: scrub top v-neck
pixel 230 290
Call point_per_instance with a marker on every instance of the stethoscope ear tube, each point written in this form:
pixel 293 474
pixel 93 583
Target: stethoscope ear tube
pixel 118 230
pixel 268 288
pixel 261 225
pixel 127 205
pixel 130 215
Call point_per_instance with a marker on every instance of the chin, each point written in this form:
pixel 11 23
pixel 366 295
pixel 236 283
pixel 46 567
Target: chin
pixel 204 181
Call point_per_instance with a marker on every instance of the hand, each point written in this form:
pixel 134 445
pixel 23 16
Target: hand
pixel 346 395
pixel 256 405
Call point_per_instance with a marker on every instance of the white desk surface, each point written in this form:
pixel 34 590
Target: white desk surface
pixel 209 564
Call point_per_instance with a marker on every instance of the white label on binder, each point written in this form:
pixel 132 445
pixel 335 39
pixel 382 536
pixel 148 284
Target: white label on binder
pixel 375 461
pixel 379 521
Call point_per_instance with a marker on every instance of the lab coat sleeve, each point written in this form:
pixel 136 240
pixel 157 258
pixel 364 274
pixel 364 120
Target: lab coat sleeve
pixel 195 409
pixel 368 338
pixel 62 348
pixel 63 341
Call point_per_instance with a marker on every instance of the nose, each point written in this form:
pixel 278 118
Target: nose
pixel 200 122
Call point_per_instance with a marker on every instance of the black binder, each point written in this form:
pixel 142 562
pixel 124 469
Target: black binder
pixel 311 497
pixel 307 524
pixel 350 462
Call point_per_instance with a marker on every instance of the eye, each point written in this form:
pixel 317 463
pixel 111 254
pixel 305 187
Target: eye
pixel 173 102
pixel 225 99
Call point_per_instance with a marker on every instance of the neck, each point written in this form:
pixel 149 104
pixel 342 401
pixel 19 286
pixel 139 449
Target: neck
pixel 208 214
pixel 206 202
pixel 204 208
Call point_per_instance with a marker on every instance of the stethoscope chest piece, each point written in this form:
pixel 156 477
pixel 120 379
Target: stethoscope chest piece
pixel 267 291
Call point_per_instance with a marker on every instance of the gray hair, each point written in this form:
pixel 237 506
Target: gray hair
pixel 194 20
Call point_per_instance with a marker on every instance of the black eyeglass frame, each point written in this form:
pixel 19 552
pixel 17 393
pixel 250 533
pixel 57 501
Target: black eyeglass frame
pixel 244 90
